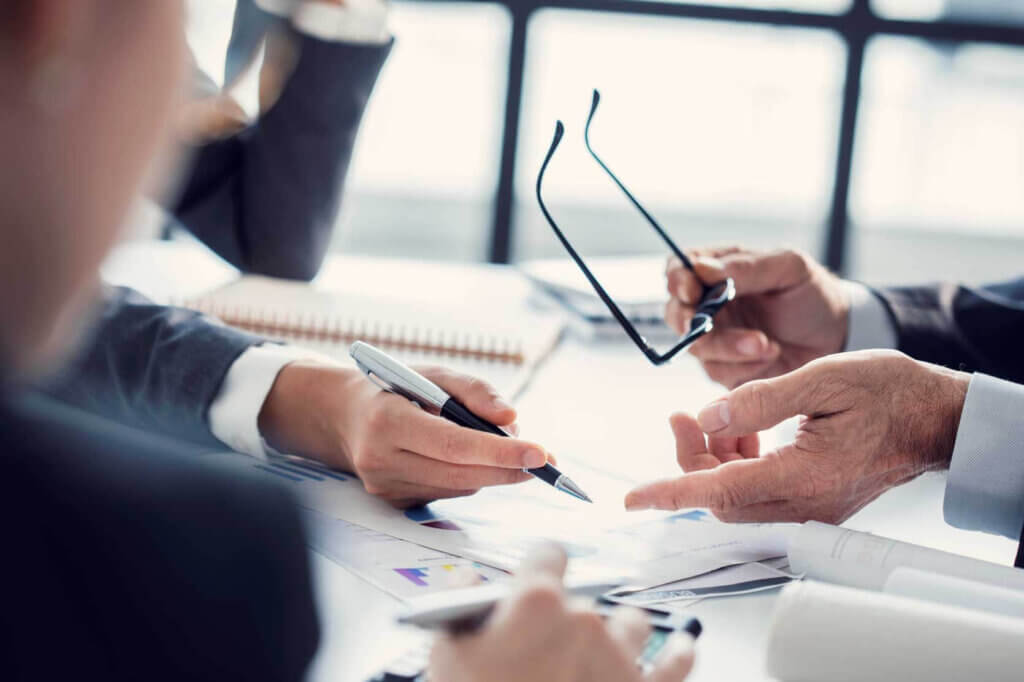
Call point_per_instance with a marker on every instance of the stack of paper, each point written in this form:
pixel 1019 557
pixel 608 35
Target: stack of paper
pixel 499 526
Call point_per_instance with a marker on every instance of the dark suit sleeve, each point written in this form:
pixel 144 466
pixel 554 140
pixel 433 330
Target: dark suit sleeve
pixel 973 329
pixel 266 199
pixel 129 558
pixel 154 367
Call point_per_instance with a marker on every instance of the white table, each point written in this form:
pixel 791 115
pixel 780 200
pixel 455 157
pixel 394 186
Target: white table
pixel 601 403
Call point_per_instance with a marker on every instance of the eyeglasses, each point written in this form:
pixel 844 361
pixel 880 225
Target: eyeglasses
pixel 713 298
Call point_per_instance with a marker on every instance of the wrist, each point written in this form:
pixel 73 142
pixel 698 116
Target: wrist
pixel 306 411
pixel 948 395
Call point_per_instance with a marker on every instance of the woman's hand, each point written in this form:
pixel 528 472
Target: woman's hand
pixel 400 452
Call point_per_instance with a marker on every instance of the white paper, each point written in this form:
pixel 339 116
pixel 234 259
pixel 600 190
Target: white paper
pixel 847 557
pixel 400 568
pixel 943 589
pixel 728 581
pixel 830 633
pixel 499 526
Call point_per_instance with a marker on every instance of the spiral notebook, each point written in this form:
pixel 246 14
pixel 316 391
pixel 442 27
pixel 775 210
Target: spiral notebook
pixel 503 351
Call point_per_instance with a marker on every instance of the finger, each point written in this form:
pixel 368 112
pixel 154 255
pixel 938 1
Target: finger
pixel 683 283
pixel 735 344
pixel 727 448
pixel 724 448
pixel 419 470
pixel 629 628
pixel 417 431
pixel 691 446
pixel 678 315
pixel 478 396
pixel 731 485
pixel 547 559
pixel 760 273
pixel 759 405
pixel 674 661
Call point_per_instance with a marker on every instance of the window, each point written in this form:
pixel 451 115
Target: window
pixel 938 189
pixel 725 132
pixel 424 175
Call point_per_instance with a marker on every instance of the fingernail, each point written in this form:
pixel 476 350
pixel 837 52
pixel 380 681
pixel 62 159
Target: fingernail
pixel 714 417
pixel 534 458
pixel 500 405
pixel 750 345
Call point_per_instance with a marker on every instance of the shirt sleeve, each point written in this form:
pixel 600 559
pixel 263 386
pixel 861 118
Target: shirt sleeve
pixel 235 411
pixel 985 487
pixel 357 21
pixel 869 324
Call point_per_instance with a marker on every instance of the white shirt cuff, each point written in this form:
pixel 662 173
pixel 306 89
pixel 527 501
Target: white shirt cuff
pixel 357 21
pixel 868 324
pixel 985 488
pixel 235 411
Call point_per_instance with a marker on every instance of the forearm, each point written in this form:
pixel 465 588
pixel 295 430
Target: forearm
pixel 266 199
pixel 973 329
pixel 153 367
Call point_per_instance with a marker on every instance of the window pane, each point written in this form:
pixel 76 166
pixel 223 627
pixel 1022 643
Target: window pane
pixel 426 167
pixel 821 6
pixel 938 188
pixel 985 11
pixel 727 132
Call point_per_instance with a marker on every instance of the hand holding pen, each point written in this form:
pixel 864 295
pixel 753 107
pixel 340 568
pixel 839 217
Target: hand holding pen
pixel 393 376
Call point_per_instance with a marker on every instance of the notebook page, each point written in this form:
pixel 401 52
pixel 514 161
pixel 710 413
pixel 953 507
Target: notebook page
pixel 501 350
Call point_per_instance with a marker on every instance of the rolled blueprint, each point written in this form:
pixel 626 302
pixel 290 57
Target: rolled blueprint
pixel 847 557
pixel 944 589
pixel 830 633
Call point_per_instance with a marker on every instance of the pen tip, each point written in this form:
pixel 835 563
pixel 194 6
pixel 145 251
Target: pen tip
pixel 569 486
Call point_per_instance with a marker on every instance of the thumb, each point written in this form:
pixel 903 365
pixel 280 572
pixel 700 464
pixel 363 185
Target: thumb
pixel 759 405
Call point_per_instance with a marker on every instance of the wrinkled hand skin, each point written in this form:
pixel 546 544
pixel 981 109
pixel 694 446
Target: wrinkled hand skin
pixel 871 420
pixel 401 453
pixel 788 311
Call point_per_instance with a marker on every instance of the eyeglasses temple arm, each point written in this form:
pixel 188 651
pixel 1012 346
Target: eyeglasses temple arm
pixel 650 219
pixel 616 312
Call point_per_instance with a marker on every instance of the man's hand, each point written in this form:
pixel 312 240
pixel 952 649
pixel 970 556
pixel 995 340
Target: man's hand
pixel 788 311
pixel 873 420
pixel 537 635
pixel 401 453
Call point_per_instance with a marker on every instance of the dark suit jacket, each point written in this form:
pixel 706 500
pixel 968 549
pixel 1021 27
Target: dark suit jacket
pixel 265 200
pixel 126 557
pixel 974 329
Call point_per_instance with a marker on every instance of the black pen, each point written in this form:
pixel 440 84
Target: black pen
pixel 391 375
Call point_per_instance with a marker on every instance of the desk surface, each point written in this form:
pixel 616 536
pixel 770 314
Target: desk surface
pixel 595 404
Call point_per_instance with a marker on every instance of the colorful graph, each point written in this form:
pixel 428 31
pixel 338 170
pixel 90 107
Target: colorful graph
pixel 423 576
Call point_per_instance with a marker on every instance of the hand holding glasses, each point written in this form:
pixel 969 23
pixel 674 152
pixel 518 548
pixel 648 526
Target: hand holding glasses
pixel 715 295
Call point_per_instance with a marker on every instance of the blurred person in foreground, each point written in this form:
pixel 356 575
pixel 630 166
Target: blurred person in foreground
pixel 932 378
pixel 125 557
pixel 264 195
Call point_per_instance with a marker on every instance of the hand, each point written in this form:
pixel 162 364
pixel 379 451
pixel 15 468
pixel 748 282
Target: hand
pixel 401 453
pixel 536 635
pixel 211 118
pixel 874 420
pixel 788 311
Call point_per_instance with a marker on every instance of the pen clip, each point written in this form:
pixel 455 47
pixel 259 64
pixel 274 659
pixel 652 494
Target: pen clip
pixel 385 386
